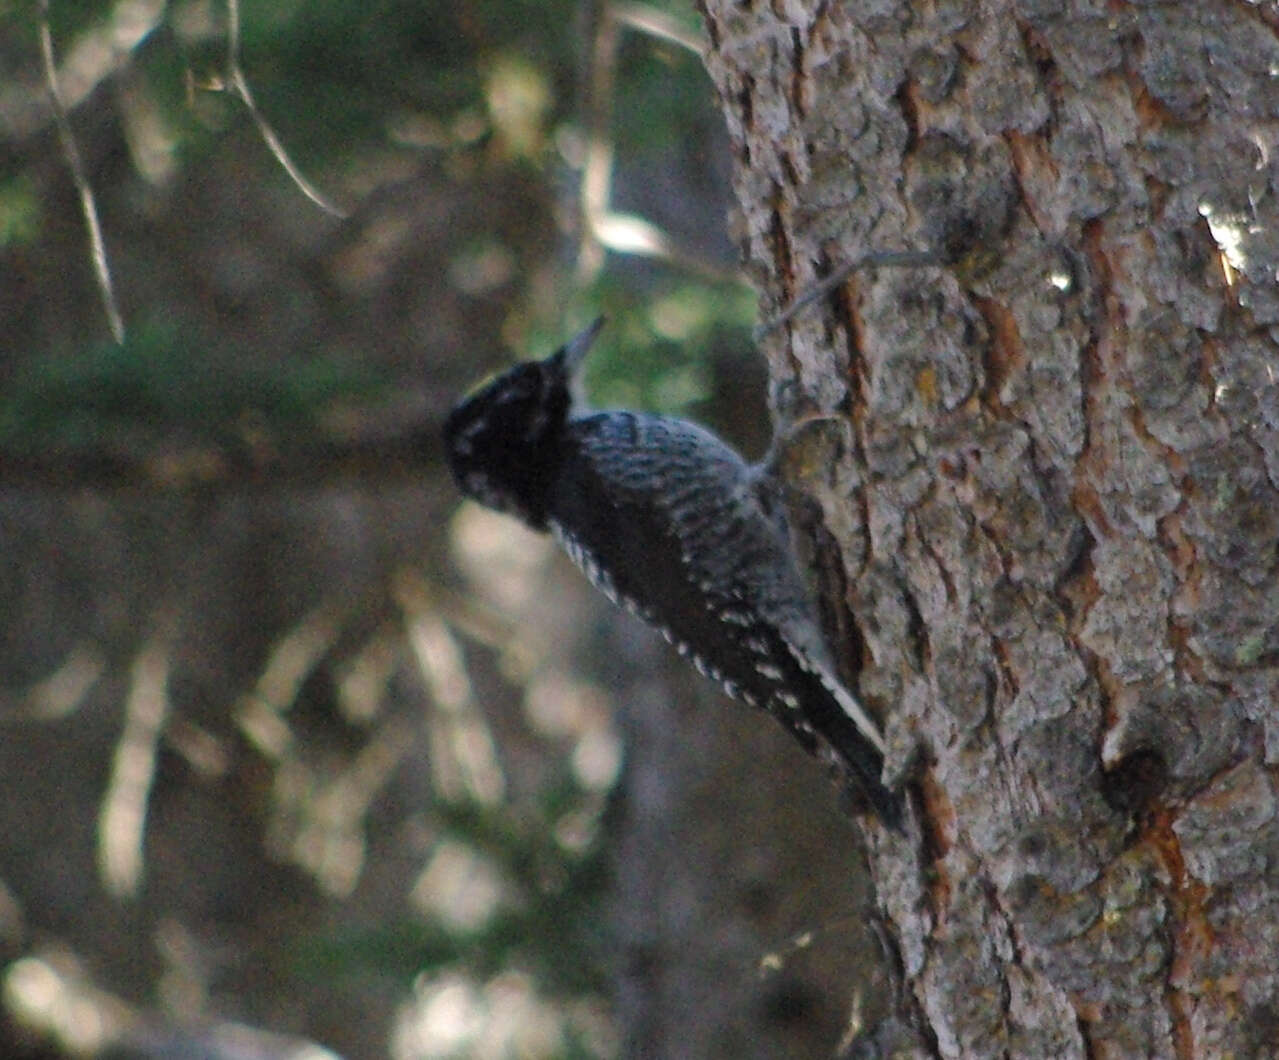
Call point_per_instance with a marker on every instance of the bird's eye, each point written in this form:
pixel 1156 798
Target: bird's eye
pixel 522 385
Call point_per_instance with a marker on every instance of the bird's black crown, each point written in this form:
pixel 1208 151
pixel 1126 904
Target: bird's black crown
pixel 502 442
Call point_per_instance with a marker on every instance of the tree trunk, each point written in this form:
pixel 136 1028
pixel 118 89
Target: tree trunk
pixel 1057 509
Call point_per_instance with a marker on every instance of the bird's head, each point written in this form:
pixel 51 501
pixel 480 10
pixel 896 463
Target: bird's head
pixel 501 442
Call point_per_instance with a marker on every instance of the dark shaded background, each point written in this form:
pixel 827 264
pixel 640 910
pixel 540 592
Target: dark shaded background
pixel 290 743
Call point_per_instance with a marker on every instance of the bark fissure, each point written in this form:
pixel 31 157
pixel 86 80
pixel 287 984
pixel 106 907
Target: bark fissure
pixel 798 78
pixel 1188 933
pixel 1032 164
pixel 1004 354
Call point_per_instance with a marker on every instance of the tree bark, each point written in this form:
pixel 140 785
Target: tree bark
pixel 1056 510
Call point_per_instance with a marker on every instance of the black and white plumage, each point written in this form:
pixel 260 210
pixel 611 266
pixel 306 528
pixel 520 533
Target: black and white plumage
pixel 670 522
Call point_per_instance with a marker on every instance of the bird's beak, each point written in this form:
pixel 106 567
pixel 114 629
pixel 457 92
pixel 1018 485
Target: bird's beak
pixel 575 350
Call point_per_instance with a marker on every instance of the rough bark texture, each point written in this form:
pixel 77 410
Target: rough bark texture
pixel 1057 507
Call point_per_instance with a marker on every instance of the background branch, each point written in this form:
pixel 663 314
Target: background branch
pixel 88 206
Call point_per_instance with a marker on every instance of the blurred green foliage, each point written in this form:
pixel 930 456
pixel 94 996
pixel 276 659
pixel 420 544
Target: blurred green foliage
pixel 656 351
pixel 333 70
pixel 662 88
pixel 19 211
pixel 550 927
pixel 500 82
pixel 165 384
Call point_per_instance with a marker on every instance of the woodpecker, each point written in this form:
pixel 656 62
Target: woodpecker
pixel 671 523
